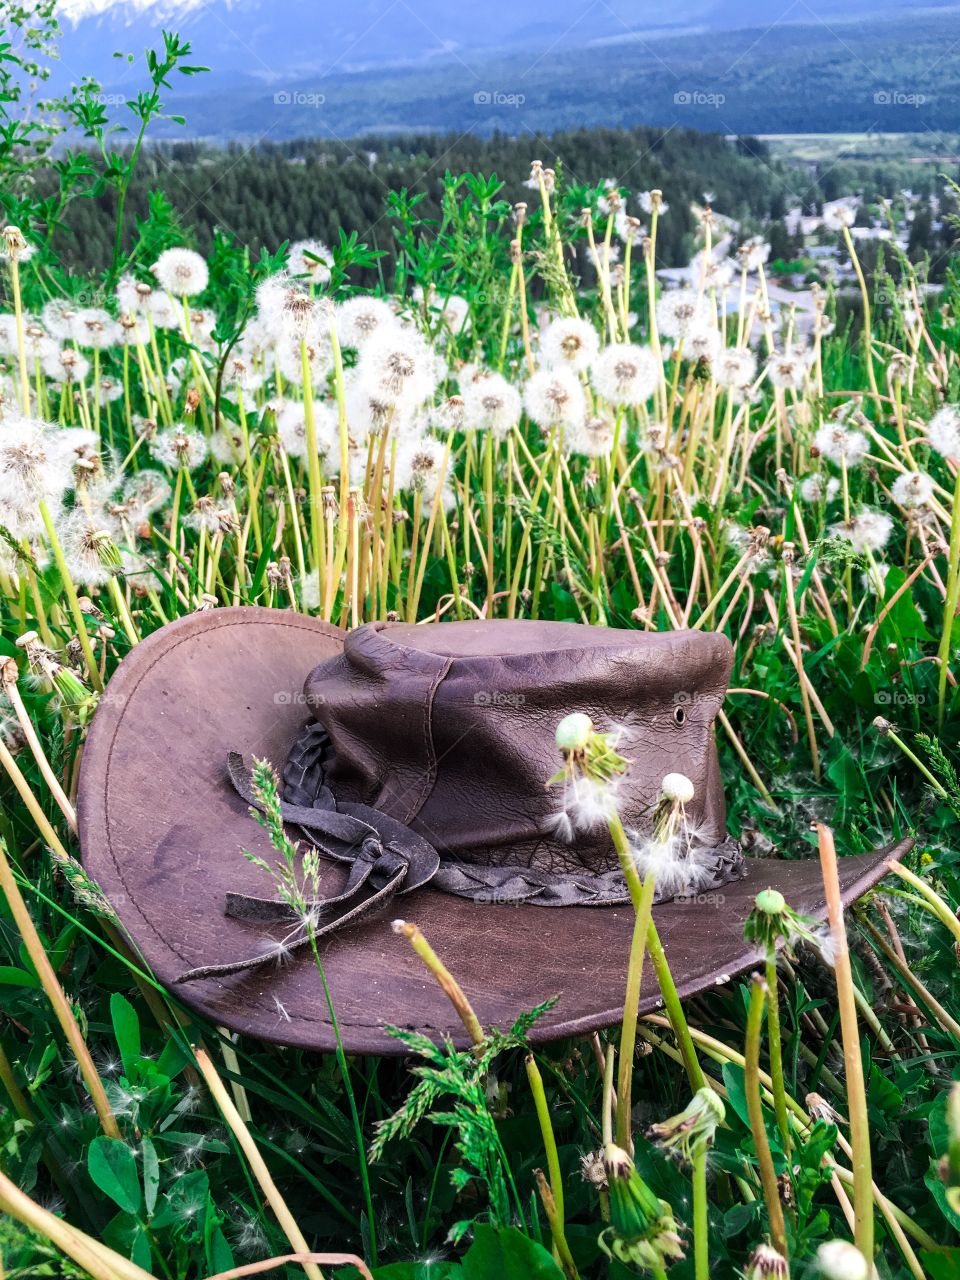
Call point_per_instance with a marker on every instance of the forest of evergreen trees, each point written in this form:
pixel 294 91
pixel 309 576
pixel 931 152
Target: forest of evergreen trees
pixel 266 195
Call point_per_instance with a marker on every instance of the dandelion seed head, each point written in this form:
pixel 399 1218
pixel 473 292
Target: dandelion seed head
pixel 178 447
pixel 491 404
pixel 569 343
pixel 163 311
pixel 913 489
pixel 943 431
pixel 181 272
pixel 625 373
pixel 734 367
pixel 554 397
pixel 867 531
pixel 395 366
pixel 788 369
pixel 840 445
pixel 679 311
pixel 817 488
pixel 358 319
pixel 310 258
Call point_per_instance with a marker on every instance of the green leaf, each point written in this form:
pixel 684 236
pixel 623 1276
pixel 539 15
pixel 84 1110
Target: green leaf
pixel 936 1187
pixel 507 1254
pixel 11 976
pixel 733 1078
pixel 939 1266
pixel 151 1175
pixel 126 1028
pixel 113 1168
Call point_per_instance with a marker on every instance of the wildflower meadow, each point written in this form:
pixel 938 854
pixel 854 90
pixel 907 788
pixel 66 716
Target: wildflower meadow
pixel 523 420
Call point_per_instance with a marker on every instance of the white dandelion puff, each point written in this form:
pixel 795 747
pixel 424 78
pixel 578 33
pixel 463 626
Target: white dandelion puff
pixel 943 431
pixel 310 258
pixel 735 367
pixel 840 445
pixel 554 397
pixel 679 311
pixel 358 319
pixel 491 404
pixel 569 343
pixel 818 488
pixel 395 365
pixel 182 272
pixel 624 373
pixel 179 447
pixel 913 489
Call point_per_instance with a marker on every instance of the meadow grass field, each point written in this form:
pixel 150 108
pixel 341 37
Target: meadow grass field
pixel 526 425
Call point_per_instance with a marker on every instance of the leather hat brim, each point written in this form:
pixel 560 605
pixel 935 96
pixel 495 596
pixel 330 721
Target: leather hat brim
pixel 162 831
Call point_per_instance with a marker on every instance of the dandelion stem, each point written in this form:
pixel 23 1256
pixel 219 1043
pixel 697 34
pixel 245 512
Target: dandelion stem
pixel 768 1176
pixel 853 1063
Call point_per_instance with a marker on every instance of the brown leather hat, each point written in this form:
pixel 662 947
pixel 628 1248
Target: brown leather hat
pixel 415 758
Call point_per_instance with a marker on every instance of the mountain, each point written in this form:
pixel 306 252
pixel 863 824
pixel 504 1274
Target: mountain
pixel 306 69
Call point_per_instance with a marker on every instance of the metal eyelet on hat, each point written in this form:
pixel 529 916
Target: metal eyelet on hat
pixel 679 715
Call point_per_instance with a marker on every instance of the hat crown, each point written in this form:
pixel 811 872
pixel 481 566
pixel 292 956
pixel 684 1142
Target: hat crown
pixel 450 728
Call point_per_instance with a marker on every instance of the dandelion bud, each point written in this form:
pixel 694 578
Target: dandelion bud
pixel 691 1130
pixel 642 1229
pixel 772 920
pixel 77 699
pixel 840 1260
pixel 573 732
pixel 766 1262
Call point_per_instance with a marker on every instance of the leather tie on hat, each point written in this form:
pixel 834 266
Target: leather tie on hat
pixel 388 858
